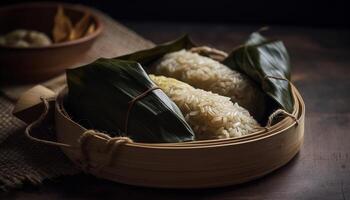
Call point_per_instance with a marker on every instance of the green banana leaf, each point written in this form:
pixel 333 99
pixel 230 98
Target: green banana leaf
pixel 100 92
pixel 259 58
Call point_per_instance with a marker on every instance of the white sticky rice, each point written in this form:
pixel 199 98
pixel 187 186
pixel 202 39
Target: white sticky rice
pixel 207 74
pixel 210 115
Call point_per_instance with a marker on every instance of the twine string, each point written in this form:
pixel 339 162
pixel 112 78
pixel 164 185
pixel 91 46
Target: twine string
pixel 211 52
pixel 112 145
pixel 274 115
pixel 131 105
pixel 37 123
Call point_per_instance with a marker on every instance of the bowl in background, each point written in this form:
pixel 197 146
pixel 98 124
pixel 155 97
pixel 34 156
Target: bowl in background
pixel 32 64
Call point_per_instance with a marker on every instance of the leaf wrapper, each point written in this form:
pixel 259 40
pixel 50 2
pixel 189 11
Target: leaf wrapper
pixel 259 58
pixel 100 92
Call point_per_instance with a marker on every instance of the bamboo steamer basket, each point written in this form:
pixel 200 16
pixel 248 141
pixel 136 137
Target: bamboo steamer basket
pixel 197 164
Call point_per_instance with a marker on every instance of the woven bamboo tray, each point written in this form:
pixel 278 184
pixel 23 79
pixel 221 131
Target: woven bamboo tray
pixel 198 164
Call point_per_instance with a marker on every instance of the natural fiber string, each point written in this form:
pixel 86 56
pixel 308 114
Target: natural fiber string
pixel 84 158
pixel 278 112
pixel 37 123
pixel 112 145
pixel 211 52
pixel 131 104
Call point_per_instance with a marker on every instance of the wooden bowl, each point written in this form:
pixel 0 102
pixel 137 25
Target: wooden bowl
pixel 39 63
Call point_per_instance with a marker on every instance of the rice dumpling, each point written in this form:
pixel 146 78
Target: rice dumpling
pixel 210 115
pixel 101 93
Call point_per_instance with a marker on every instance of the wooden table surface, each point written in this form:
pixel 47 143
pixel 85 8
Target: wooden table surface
pixel 321 71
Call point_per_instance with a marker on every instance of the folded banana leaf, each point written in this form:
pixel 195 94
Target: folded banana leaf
pixel 267 63
pixel 100 92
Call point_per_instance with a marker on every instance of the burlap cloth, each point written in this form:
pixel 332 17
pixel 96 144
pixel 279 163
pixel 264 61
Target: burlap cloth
pixel 22 160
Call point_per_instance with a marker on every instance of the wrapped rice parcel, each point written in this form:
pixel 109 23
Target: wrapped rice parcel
pixel 210 115
pixel 117 97
pixel 208 74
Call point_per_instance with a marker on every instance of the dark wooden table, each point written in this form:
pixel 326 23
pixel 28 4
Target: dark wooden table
pixel 321 71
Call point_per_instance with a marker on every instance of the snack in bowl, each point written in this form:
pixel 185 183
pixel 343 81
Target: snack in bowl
pixel 25 38
pixel 63 30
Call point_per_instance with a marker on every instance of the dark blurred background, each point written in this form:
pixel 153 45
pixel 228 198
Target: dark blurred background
pixel 300 13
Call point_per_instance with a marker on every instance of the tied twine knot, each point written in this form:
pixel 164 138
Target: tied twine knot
pixel 278 112
pixel 275 114
pixel 132 103
pixel 112 145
